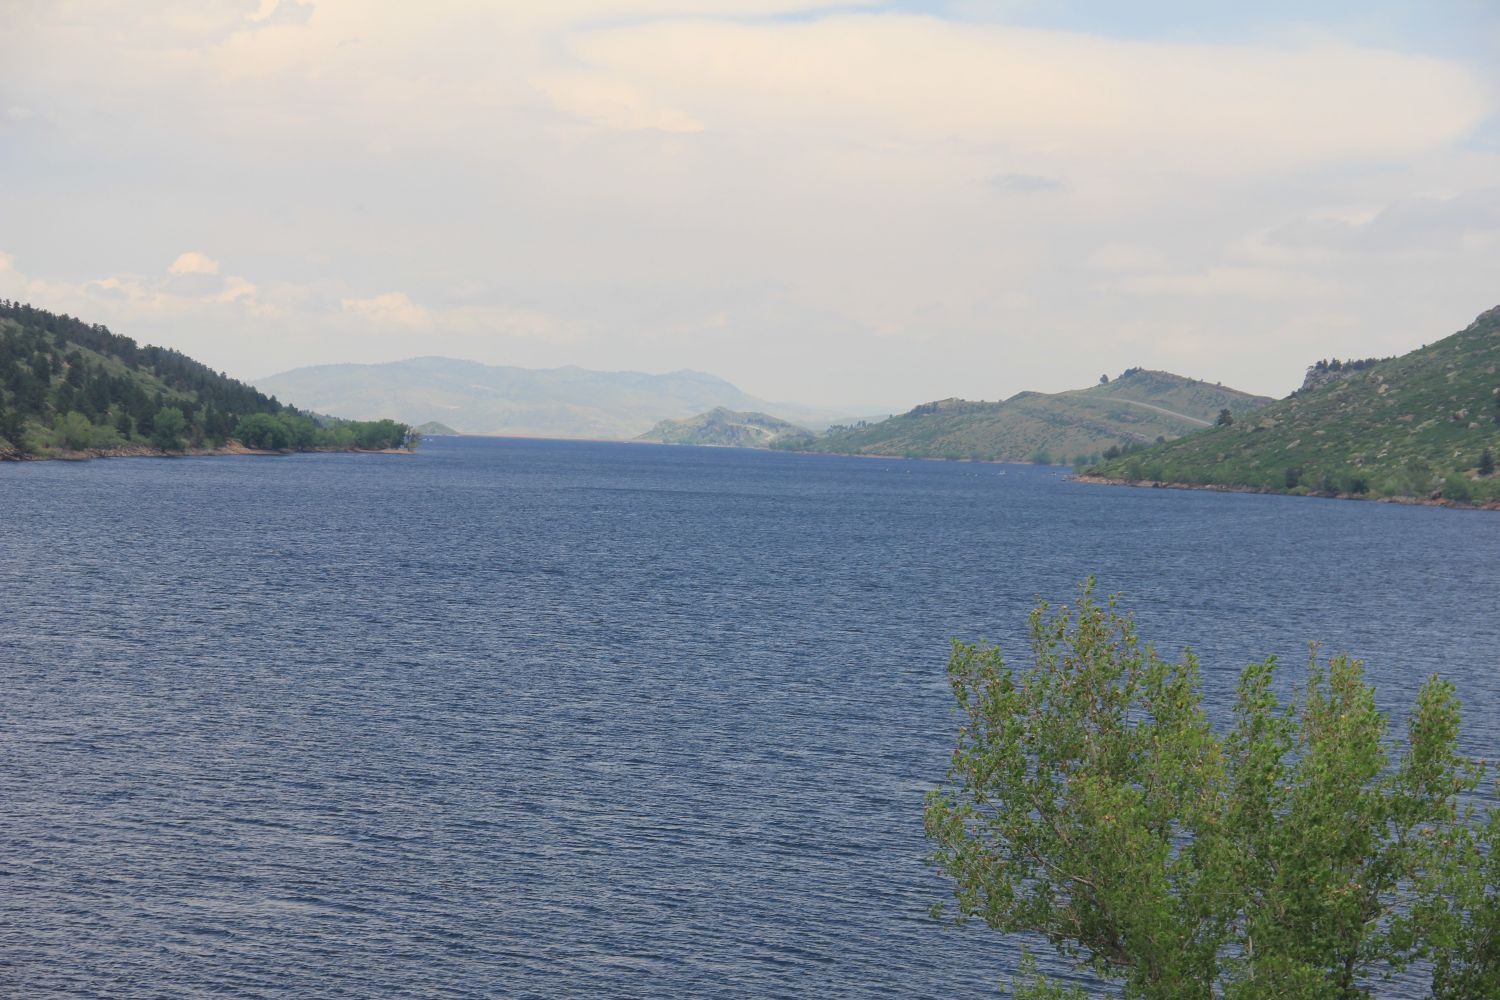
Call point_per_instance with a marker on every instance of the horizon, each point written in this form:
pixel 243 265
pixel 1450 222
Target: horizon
pixel 829 203
pixel 826 404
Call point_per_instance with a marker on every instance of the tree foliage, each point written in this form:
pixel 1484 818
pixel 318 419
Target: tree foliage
pixel 1410 427
pixel 70 386
pixel 167 428
pixel 285 430
pixel 1302 853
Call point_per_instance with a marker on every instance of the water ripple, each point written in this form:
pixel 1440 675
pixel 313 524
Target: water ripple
pixel 554 719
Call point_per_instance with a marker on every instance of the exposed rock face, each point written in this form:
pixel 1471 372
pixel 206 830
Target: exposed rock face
pixel 1324 372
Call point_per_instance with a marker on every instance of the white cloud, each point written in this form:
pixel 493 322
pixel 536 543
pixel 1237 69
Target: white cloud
pixel 193 262
pixel 135 299
pixel 389 309
pixel 235 288
pixel 1417 224
pixel 613 104
pixel 1173 107
pixel 845 203
pixel 281 12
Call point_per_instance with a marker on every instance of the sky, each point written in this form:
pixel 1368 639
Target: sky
pixel 863 204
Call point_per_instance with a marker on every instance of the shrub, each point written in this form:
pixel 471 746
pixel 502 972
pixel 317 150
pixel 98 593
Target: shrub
pixel 167 429
pixel 73 431
pixel 1301 854
pixel 1456 487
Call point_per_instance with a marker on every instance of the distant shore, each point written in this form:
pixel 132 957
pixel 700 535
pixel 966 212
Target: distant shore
pixel 146 451
pixel 1234 488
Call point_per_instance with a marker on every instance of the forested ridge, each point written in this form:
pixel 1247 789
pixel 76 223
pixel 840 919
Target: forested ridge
pixel 67 386
pixel 1424 425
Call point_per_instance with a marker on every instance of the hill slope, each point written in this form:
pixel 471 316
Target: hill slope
pixel 725 428
pixel 71 387
pixel 1414 426
pixel 1078 425
pixel 527 402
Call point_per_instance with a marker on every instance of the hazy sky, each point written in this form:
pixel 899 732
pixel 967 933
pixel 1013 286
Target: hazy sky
pixel 876 203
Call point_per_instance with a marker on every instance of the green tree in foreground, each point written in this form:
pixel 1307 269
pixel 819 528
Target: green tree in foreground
pixel 1300 854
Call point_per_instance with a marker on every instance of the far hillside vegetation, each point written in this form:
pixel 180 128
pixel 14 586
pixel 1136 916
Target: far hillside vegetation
pixel 69 387
pixel 1077 426
pixel 725 428
pixel 1423 426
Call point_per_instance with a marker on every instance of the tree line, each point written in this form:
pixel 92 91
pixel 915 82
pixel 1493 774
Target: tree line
pixel 72 386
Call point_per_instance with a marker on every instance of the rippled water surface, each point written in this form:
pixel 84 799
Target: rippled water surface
pixel 521 718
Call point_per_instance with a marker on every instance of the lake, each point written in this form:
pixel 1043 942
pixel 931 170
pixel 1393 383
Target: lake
pixel 541 719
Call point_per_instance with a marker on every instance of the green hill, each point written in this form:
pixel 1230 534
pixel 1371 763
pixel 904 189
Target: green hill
pixel 1417 426
pixel 726 428
pixel 72 388
pixel 435 428
pixel 1076 426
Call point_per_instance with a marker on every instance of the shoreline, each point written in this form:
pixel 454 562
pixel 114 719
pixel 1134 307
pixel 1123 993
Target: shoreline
pixel 752 447
pixel 234 449
pixel 910 458
pixel 231 449
pixel 1237 488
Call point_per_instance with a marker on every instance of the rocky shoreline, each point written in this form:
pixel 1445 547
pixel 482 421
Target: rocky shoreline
pixel 1234 488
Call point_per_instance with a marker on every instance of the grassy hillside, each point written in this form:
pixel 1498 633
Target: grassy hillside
pixel 1415 426
pixel 1077 426
pixel 725 428
pixel 70 387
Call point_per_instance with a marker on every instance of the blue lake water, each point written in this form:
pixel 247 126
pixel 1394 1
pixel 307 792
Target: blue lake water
pixel 543 719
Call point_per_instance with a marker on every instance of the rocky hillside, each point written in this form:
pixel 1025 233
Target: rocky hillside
pixel 1425 425
pixel 1077 426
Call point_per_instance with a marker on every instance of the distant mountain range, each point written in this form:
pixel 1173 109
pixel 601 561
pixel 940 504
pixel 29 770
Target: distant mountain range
pixel 725 428
pixel 565 402
pixel 1425 425
pixel 1076 426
